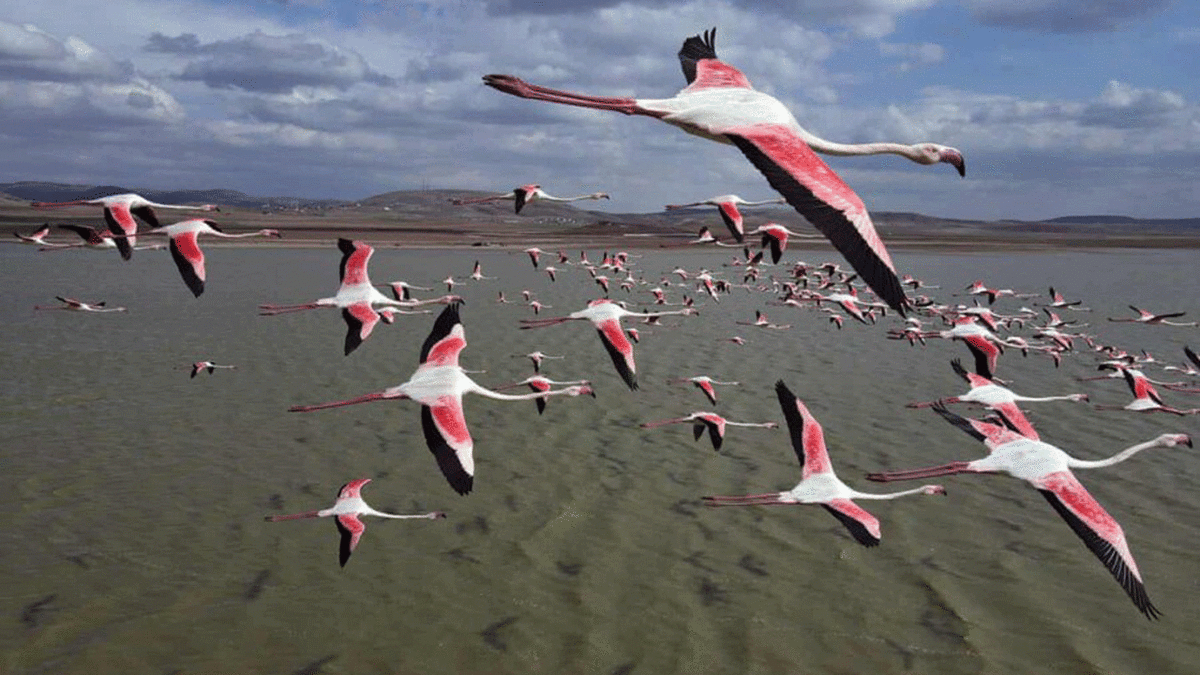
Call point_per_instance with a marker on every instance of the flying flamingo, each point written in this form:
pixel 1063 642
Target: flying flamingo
pixel 761 321
pixel 818 483
pixel 347 510
pixel 356 296
pixel 185 247
pixel 92 237
pixel 211 367
pixel 1048 469
pixel 38 236
pixel 1151 318
pixel 438 385
pixel 540 383
pixel 983 343
pixel 606 316
pixel 119 211
pixel 727 206
pixel 704 383
pixel 1057 301
pixel 402 290
pixel 1145 397
pixel 477 273
pixel 536 358
pixel 712 422
pixel 720 104
pixel 73 305
pixel 775 236
pixel 527 194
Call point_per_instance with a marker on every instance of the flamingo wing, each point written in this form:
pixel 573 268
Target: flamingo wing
pixel 520 195
pixel 147 214
pixel 620 350
pixel 706 387
pixel 88 234
pixel 1016 419
pixel 360 321
pixel 447 339
pixel 732 219
pixel 351 529
pixel 991 434
pixel 449 440
pixel 777 241
pixel 185 251
pixel 986 355
pixel 120 221
pixel 862 525
pixel 808 439
pixel 715 427
pixel 1100 532
pixel 353 268
pixel 1192 356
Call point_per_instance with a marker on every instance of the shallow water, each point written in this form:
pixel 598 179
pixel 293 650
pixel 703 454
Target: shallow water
pixel 134 495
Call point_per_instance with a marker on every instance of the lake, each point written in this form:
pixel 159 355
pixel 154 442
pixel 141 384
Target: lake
pixel 135 495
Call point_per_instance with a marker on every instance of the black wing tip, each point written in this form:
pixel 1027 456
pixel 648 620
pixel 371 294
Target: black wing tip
pixel 957 365
pixel 447 459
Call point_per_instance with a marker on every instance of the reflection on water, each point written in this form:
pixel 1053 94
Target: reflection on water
pixel 135 495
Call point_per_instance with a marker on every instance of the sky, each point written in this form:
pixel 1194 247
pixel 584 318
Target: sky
pixel 1060 107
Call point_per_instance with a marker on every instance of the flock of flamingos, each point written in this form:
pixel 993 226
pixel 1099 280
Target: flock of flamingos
pixel 719 103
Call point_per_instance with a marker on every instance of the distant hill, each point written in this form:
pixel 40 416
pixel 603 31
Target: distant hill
pixel 62 192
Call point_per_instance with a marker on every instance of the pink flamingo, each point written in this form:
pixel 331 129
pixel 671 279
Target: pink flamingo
pixel 185 247
pixel 211 367
pixel 438 385
pixel 727 206
pixel 1152 319
pixel 710 421
pixel 347 510
pixel 73 305
pixel 356 297
pixel 818 483
pixel 1048 469
pixel 606 316
pixel 775 236
pixel 983 343
pixel 1057 301
pixel 402 290
pixel 527 194
pixel 92 237
pixel 1145 397
pixel 119 211
pixel 720 104
pixel 541 383
pixel 38 236
pixel 704 383
pixel 536 358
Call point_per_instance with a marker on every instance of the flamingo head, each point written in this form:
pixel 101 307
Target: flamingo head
pixel 600 195
pixel 934 490
pixel 270 233
pixel 1079 397
pixel 209 207
pixel 932 153
pixel 1172 440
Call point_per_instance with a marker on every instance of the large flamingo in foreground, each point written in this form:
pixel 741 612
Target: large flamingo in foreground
pixel 606 316
pixel 1048 469
pixel 818 483
pixel 719 104
pixel 347 510
pixel 119 211
pixel 438 385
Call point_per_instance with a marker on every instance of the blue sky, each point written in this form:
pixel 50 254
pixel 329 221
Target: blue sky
pixel 1059 106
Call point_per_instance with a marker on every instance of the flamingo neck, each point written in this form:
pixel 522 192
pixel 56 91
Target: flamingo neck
pixel 857 149
pixel 1115 459
pixel 892 495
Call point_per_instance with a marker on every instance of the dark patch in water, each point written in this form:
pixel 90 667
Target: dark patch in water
pixel 569 569
pixel 275 501
pixel 256 586
pixel 710 593
pixel 752 565
pixel 79 560
pixel 683 482
pixel 316 667
pixel 940 619
pixel 382 474
pixel 682 507
pixel 461 554
pixel 510 500
pixel 309 488
pixel 30 615
pixel 491 634
pixel 905 655
pixel 695 561
pixel 478 523
pixel 624 668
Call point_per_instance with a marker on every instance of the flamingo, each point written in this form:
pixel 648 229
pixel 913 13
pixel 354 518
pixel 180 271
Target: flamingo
pixel 719 104
pixel 727 206
pixel 1145 397
pixel 540 383
pixel 534 253
pixel 38 236
pixel 356 296
pixel 211 367
pixel 92 237
pixel 761 321
pixel 714 423
pixel 818 483
pixel 185 247
pixel 983 343
pixel 1048 469
pixel 438 385
pixel 119 211
pixel 402 290
pixel 73 305
pixel 606 316
pixel 1155 319
pixel 1057 301
pixel 775 236
pixel 527 194
pixel 536 358
pixel 347 510
pixel 477 273
pixel 704 383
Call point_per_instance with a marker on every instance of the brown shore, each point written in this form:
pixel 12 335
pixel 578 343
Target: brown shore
pixel 562 227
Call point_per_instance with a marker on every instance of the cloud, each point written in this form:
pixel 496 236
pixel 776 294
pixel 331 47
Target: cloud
pixel 912 56
pixel 267 63
pixel 1064 16
pixel 27 53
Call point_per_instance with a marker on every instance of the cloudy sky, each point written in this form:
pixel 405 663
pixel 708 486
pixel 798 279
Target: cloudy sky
pixel 1059 106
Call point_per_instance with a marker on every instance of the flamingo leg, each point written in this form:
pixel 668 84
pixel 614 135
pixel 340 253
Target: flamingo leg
pixel 272 310
pixel 518 87
pixel 926 472
pixel 767 498
pixel 365 398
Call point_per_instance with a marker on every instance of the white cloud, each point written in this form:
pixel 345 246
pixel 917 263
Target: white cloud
pixel 28 53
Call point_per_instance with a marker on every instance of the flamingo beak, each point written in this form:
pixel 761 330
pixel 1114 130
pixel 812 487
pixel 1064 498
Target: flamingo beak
pixel 955 159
